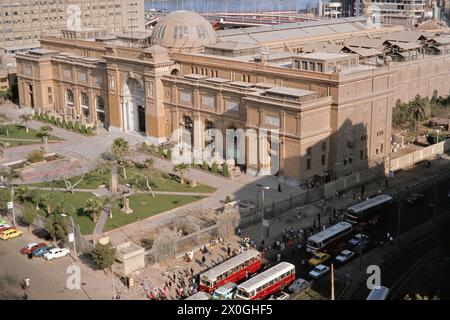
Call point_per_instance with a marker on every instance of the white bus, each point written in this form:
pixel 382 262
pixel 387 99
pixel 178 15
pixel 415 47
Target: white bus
pixel 360 211
pixel 378 293
pixel 266 283
pixel 329 237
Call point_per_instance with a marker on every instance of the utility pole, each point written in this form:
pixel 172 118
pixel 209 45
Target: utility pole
pixel 332 281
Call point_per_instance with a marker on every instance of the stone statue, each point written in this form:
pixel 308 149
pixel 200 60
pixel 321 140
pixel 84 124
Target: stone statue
pixel 126 207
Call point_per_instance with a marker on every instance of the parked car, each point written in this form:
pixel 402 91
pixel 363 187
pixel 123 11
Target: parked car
pixel 357 239
pixel 55 253
pixel 39 252
pixel 6 227
pixel 319 271
pixel 279 296
pixel 345 256
pixel 362 247
pixel 318 258
pixel 299 285
pixel 10 233
pixel 29 248
pixel 414 197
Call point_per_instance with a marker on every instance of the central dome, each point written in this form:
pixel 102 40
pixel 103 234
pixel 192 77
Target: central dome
pixel 183 30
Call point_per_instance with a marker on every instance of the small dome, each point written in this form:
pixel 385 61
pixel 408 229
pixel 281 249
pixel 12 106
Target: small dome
pixel 182 29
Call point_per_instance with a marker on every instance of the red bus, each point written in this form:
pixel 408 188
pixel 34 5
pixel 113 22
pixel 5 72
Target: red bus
pixel 266 283
pixel 232 270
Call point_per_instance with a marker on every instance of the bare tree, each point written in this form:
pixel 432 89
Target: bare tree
pixel 69 185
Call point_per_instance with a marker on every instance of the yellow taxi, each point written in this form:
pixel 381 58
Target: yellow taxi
pixel 319 258
pixel 10 233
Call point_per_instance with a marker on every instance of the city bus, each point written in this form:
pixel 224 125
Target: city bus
pixel 378 293
pixel 231 270
pixel 361 211
pixel 266 283
pixel 329 237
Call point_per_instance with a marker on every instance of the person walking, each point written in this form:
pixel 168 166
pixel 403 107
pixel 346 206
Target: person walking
pixel 278 257
pixel 203 260
pixel 192 272
pixel 228 250
pixel 279 188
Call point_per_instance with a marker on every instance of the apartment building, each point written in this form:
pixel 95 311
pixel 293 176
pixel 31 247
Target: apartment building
pixel 22 22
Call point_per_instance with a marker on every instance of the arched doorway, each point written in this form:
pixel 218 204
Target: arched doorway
pixel 133 107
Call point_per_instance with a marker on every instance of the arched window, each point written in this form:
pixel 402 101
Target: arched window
pixel 85 104
pixel 69 98
pixel 209 132
pixel 175 72
pixel 100 109
pixel 188 134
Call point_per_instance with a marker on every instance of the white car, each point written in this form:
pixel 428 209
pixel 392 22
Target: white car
pixel 3 225
pixel 299 285
pixel 319 271
pixel 279 296
pixel 357 239
pixel 55 253
pixel 345 256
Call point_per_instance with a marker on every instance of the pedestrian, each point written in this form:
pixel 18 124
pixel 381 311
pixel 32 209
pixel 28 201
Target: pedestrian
pixel 279 187
pixel 282 246
pixel 203 260
pixel 174 277
pixel 299 247
pixel 192 272
pixel 239 231
pixel 391 240
pixel 228 249
pixel 170 284
pixel 330 220
pixel 314 224
pixel 278 257
pixel 388 236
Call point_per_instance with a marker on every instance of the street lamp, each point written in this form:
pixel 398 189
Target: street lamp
pixel 262 188
pixel 11 191
pixel 73 232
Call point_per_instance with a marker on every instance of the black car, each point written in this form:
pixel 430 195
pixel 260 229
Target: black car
pixel 414 197
pixel 362 247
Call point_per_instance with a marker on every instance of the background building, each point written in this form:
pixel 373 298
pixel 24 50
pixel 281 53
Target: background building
pixel 22 22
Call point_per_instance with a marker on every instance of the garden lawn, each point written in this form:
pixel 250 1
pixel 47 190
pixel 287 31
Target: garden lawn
pixel 145 206
pixel 76 201
pixel 18 132
pixel 96 178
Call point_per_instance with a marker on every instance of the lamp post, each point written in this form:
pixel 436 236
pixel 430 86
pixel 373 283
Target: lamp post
pixel 11 192
pixel 73 232
pixel 262 188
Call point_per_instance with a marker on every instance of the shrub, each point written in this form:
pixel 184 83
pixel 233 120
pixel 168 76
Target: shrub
pixel 35 156
pixel 77 127
pixel 83 129
pixel 205 166
pixel 225 172
pixel 161 151
pixel 214 167
pixel 58 122
pixel 89 130
pixel 70 125
pixel 227 200
pixel 46 117
pixel 53 120
pixel 64 124
pixel 169 154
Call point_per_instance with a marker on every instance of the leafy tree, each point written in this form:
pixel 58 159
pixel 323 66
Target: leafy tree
pixel 400 115
pixel 418 109
pixel 56 226
pixel 181 170
pixel 28 218
pixel 36 156
pixel 26 118
pixel 104 255
pixel 214 167
pixel 120 149
pixel 94 206
pixel 3 146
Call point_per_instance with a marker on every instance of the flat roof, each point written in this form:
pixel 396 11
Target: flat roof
pixel 195 76
pixel 39 51
pixel 218 80
pixel 324 55
pixel 290 92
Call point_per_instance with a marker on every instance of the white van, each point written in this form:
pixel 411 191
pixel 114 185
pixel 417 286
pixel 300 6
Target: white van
pixel 378 293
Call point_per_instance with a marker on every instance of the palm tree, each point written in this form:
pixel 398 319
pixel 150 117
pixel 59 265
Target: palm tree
pixel 26 118
pixel 181 169
pixel 44 134
pixel 418 110
pixel 94 206
pixel 120 149
pixel 46 200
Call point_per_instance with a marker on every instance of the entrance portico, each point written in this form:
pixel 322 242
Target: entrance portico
pixel 133 107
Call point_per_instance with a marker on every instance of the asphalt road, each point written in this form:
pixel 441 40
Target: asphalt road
pixel 411 216
pixel 47 278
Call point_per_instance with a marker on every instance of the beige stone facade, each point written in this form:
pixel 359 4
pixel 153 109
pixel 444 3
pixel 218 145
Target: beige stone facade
pixel 332 118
